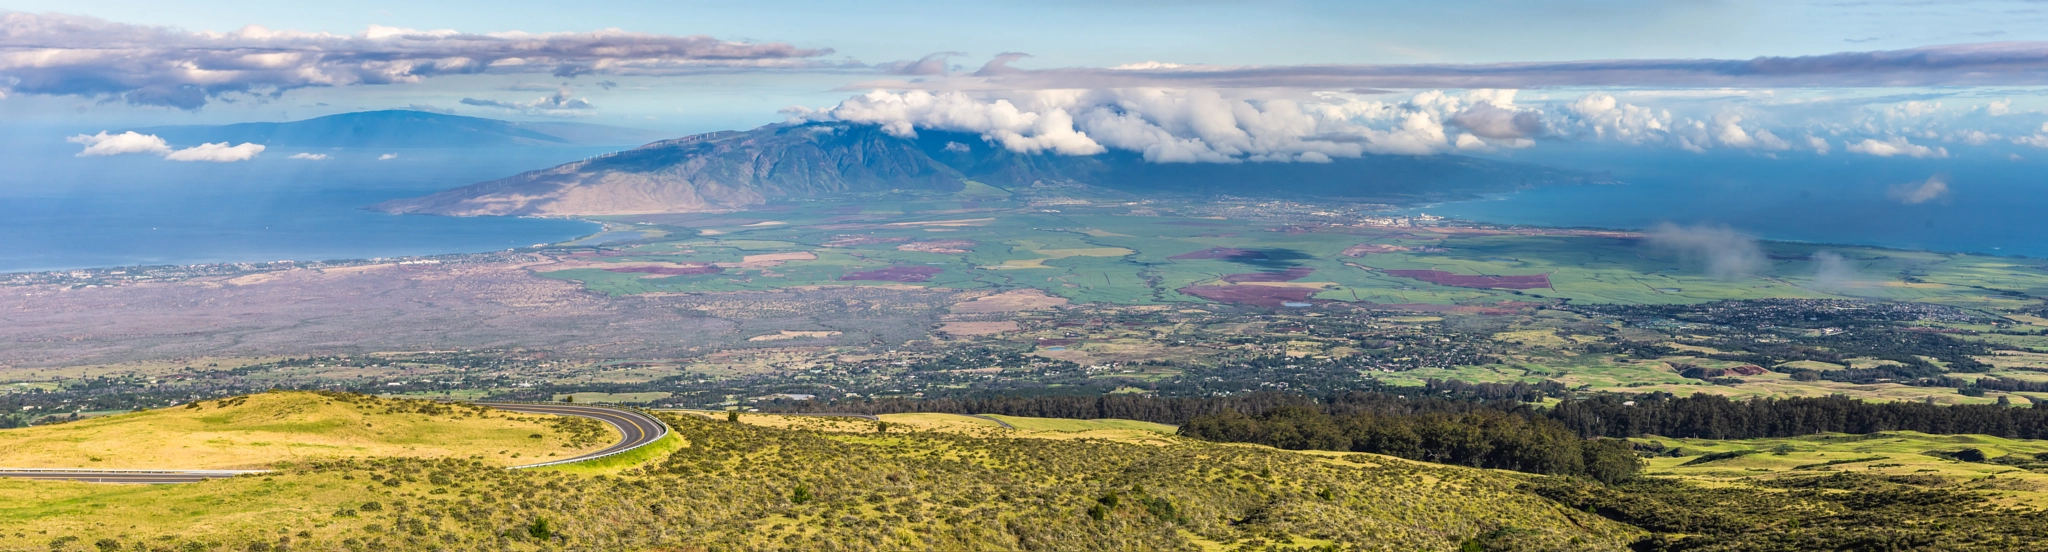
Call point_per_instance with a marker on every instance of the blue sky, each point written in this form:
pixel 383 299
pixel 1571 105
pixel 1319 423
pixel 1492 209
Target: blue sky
pixel 1301 70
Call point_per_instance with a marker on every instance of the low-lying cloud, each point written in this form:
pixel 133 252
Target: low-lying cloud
pixel 103 144
pixel 56 54
pixel 1725 253
pixel 1934 189
pixel 217 153
pixel 130 142
pixel 560 104
pixel 1831 272
pixel 1895 146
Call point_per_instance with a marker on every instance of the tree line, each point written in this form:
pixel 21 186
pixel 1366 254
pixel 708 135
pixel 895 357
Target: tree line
pixel 1599 415
pixel 1480 438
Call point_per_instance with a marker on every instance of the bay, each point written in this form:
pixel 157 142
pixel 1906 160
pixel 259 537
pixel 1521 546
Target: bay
pixel 62 212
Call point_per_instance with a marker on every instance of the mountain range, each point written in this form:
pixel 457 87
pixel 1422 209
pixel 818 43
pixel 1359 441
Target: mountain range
pixel 405 129
pixel 732 170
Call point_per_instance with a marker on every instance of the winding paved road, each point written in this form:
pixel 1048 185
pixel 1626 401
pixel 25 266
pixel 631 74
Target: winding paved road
pixel 637 428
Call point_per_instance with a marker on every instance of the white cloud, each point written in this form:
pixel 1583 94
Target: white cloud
pixel 1726 254
pixel 1198 125
pixel 1728 131
pixel 387 157
pixel 1973 137
pixel 1934 189
pixel 310 156
pixel 2038 139
pixel 1911 110
pixel 1819 144
pixel 103 144
pixel 560 104
pixel 1895 146
pixel 217 153
pixel 1999 107
pixel 1611 119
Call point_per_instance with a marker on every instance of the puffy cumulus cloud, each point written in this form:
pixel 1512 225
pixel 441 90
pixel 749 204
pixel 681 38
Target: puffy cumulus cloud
pixel 217 153
pixel 148 65
pixel 1933 189
pixel 1200 125
pixel 561 104
pixel 1601 116
pixel 1998 108
pixel 1897 145
pixel 103 144
pixel 2039 139
pixel 1912 109
pixel 1491 121
pixel 310 156
pixel 1606 117
pixel 1728 131
pixel 1818 144
pixel 1725 253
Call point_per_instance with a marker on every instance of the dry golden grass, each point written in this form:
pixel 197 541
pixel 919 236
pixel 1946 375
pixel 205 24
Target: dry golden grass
pixel 284 426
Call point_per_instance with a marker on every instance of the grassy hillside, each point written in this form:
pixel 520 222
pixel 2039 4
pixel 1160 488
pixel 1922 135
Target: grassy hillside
pixel 752 487
pixel 2019 467
pixel 256 431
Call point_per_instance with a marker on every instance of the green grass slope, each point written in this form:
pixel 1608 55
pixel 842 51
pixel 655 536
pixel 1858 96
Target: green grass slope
pixel 747 487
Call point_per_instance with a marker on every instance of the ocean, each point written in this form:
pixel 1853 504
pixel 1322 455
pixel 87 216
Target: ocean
pixel 1993 203
pixel 59 211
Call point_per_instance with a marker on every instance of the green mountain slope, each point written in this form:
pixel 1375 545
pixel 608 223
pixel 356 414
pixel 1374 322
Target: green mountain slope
pixel 744 487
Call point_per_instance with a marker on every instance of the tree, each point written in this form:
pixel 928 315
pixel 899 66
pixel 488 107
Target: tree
pixel 732 416
pixel 800 495
pixel 540 529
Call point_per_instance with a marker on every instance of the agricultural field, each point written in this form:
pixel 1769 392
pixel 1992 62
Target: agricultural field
pixel 1099 252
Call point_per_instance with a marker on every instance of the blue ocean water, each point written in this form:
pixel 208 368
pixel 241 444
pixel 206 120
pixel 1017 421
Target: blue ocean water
pixel 58 211
pixel 1995 203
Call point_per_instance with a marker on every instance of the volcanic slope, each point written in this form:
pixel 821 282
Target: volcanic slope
pixel 258 431
pixel 746 487
pixel 729 170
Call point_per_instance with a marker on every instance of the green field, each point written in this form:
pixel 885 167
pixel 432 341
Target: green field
pixel 1100 255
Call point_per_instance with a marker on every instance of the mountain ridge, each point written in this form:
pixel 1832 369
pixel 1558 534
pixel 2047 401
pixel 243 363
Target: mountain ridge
pixel 732 170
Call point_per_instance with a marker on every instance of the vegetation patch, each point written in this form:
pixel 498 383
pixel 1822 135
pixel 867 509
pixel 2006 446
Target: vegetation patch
pixel 258 431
